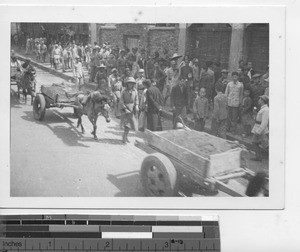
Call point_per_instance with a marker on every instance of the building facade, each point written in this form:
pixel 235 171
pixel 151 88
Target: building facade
pixel 228 44
pixel 151 37
pixel 220 42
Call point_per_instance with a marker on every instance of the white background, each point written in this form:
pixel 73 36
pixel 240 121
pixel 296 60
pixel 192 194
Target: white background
pixel 264 230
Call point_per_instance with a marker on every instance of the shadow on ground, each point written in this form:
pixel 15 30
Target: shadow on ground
pixel 128 184
pixel 70 134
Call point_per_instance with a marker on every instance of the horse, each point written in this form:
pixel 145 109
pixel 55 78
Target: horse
pixel 27 83
pixel 91 105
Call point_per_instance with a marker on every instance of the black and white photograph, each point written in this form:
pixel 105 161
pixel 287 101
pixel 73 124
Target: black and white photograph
pixel 182 109
pixel 140 109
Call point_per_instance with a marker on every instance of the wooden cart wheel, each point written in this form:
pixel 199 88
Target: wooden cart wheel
pixel 39 107
pixel 158 176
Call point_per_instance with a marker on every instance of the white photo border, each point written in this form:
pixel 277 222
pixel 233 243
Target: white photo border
pixel 274 15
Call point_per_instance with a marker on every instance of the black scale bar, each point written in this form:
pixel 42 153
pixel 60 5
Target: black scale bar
pixel 52 235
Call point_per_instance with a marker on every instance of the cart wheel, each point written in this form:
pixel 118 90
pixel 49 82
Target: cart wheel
pixel 158 176
pixel 39 107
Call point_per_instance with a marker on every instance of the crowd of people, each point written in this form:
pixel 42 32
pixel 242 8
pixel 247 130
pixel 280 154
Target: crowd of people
pixel 141 86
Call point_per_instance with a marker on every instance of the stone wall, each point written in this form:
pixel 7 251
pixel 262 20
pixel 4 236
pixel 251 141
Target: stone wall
pixel 163 38
pixel 151 38
pixel 109 35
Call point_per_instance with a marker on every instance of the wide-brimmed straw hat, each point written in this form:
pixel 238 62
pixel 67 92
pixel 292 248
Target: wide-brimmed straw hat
pixel 176 56
pixel 101 66
pixel 265 98
pixel 130 80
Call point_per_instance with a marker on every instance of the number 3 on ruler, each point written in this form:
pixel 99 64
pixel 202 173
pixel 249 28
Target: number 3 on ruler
pixel 166 244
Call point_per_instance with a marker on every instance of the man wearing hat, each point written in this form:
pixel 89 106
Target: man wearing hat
pixel 260 130
pixel 129 104
pixel 257 89
pixel 223 80
pixel 176 57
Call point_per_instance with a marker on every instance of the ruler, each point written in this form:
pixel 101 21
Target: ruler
pixel 38 233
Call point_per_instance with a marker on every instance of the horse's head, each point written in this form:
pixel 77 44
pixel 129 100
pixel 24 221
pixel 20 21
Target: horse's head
pixel 101 104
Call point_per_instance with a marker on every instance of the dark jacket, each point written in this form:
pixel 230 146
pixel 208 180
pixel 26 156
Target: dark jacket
pixel 159 76
pixel 179 98
pixel 185 70
pixel 154 100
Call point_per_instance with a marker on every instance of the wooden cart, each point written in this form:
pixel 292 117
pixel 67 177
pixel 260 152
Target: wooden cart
pixel 197 157
pixel 57 95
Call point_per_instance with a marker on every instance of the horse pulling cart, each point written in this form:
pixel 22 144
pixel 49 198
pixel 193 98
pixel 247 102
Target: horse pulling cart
pixel 58 95
pixel 67 95
pixel 200 159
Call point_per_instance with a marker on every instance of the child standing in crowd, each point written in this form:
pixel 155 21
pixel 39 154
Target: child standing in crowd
pixel 200 110
pixel 219 115
pixel 246 113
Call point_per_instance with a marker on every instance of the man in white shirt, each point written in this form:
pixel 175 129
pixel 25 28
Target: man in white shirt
pixel 234 92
